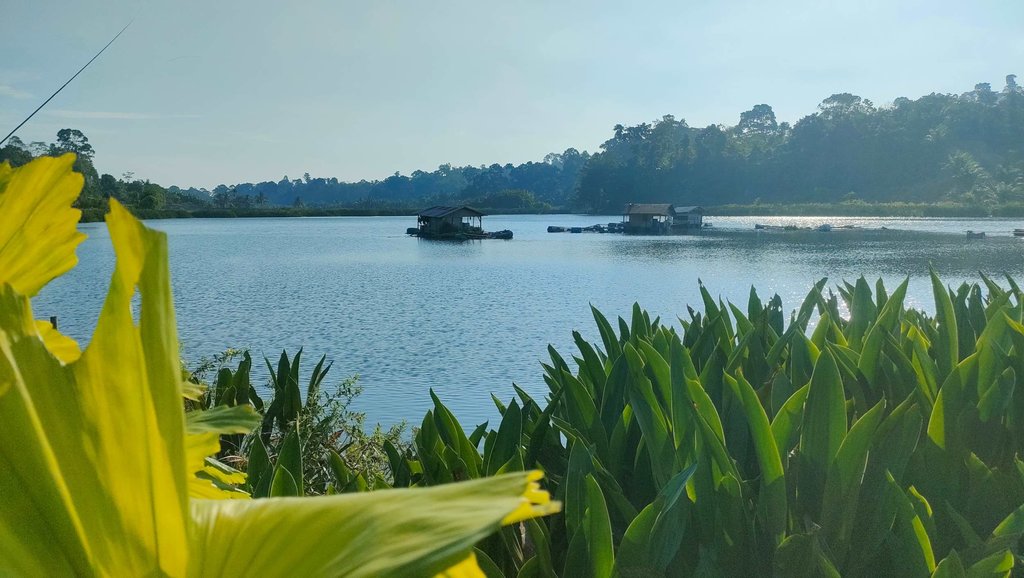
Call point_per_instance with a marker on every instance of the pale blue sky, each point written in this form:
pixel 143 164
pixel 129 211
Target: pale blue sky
pixel 224 91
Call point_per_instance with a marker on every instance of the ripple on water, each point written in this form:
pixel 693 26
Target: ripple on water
pixel 468 319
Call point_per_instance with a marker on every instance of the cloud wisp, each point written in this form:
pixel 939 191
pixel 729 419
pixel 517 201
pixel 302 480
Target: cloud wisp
pixel 11 92
pixel 113 115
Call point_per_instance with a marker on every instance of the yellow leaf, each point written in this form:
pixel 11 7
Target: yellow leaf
pixel 61 346
pixel 406 532
pixel 38 226
pixel 468 568
pixel 96 468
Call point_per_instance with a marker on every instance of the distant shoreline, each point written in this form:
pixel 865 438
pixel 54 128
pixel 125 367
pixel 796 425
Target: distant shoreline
pixel 855 209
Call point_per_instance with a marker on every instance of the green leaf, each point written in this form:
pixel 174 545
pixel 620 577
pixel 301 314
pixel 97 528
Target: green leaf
pixel 950 567
pixel 845 477
pixel 260 470
pixel 508 440
pixel 608 337
pixel 994 402
pixel 787 423
pixel 998 564
pixel 824 427
pixel 801 556
pixel 947 354
pixel 653 537
pixel 773 481
pixel 910 544
pixel 222 419
pixel 287 480
pixel 598 531
pixel 888 322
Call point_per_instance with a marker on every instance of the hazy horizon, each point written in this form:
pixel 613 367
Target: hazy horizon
pixel 197 95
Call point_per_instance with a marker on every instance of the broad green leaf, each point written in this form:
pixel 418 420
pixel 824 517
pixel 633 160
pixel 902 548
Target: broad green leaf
pixel 507 441
pixel 653 537
pixel 801 556
pixel 943 424
pixel 787 423
pixel 611 342
pixel 888 321
pixel 910 543
pixel 824 427
pixel 998 564
pixel 947 354
pixel 950 567
pixel 845 476
pixel 995 401
pixel 773 481
pixel 598 531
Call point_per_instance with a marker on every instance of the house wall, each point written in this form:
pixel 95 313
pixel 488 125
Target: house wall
pixel 690 219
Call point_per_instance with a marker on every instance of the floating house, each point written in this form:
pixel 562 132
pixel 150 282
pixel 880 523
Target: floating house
pixel 660 219
pixel 689 217
pixel 450 222
pixel 454 223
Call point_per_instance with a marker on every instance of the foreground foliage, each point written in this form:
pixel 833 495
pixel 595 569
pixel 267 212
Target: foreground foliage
pixel 877 441
pixel 101 472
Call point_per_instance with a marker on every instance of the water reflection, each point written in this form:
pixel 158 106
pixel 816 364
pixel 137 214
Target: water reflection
pixel 470 318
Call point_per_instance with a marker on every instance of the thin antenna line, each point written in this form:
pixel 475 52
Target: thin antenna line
pixel 10 134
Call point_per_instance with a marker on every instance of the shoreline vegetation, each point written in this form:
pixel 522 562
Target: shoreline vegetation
pixel 846 209
pixel 941 155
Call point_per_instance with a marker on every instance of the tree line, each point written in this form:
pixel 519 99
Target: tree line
pixel 963 149
pixel 142 196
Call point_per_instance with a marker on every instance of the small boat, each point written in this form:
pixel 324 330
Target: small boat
pixel 824 228
pixel 555 229
pixel 1018 232
pixel 504 234
pixel 973 235
pixel 576 230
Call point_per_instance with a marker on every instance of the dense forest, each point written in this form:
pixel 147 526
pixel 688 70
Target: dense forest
pixel 941 147
pixel 962 150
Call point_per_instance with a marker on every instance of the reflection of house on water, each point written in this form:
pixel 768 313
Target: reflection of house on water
pixel 661 219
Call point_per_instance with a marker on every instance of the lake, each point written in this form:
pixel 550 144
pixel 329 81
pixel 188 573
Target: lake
pixel 468 319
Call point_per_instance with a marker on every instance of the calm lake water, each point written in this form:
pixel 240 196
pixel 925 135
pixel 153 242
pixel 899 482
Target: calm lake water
pixel 468 319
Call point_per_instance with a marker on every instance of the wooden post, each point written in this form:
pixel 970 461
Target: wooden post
pixel 53 321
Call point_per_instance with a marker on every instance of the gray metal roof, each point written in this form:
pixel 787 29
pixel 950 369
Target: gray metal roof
pixel 441 211
pixel 694 209
pixel 648 209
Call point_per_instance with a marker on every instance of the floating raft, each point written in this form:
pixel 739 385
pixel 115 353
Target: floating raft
pixel 460 235
pixel 598 228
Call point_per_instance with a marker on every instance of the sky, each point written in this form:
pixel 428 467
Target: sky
pixel 199 93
